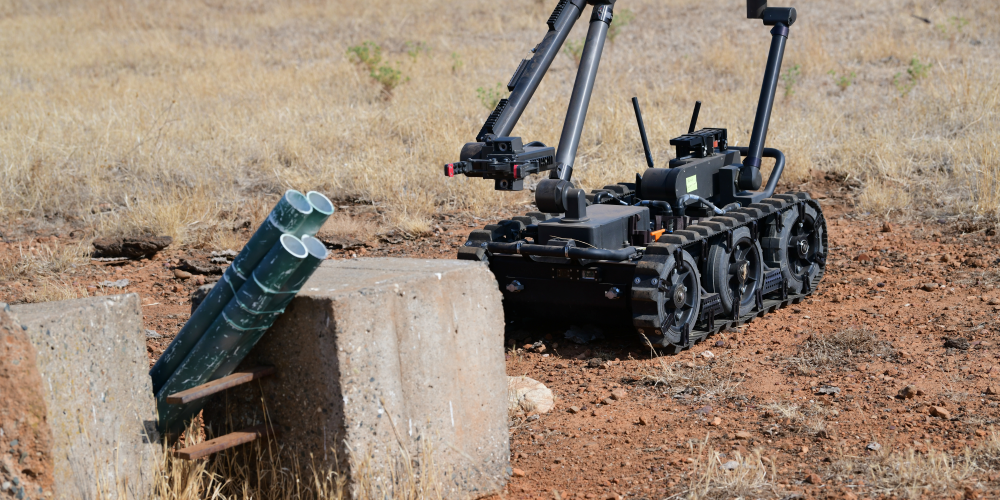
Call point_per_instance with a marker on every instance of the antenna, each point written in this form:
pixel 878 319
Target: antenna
pixel 694 117
pixel 642 132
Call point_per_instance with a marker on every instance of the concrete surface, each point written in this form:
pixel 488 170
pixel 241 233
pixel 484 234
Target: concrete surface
pixel 91 357
pixel 381 358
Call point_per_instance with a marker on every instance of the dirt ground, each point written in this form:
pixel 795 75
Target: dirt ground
pixel 806 401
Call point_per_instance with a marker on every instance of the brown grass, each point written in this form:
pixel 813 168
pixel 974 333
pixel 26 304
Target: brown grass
pixel 176 114
pixel 841 347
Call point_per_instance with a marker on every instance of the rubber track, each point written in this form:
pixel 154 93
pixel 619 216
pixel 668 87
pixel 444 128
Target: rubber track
pixel 644 296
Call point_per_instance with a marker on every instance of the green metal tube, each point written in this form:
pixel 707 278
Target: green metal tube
pixel 288 215
pixel 322 210
pixel 238 321
pixel 317 254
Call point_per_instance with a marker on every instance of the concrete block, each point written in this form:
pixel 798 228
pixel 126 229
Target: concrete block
pixel 377 359
pixel 90 381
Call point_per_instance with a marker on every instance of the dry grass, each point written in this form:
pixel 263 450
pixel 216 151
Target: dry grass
pixel 41 260
pixel 841 347
pixel 908 474
pixel 178 113
pixel 736 476
pixel 263 471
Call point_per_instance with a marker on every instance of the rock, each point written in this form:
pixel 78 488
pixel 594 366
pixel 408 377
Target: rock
pixel 594 362
pixel 528 395
pixel 993 390
pixel 881 269
pixel 181 275
pixel 151 334
pixel 814 479
pixel 704 410
pixel 618 394
pixel 574 409
pixel 956 343
pixel 607 401
pixel 937 411
pixel 975 263
pixel 198 267
pixel 994 301
pixel 945 258
pixel 583 335
pixel 88 381
pixel 907 392
pixel 873 446
pixel 122 283
pixel 517 472
pixel 717 421
pixel 886 228
pixel 827 390
pixel 864 257
pixel 730 465
pixel 375 344
pixel 133 248
pixel 707 355
pixel 744 435
pixel 643 421
pixel 929 287
pixel 199 294
pixel 720 343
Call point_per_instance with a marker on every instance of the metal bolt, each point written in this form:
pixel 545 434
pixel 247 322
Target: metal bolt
pixel 637 281
pixel 654 281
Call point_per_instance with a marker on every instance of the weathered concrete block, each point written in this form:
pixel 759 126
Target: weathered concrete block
pixel 378 356
pixel 89 381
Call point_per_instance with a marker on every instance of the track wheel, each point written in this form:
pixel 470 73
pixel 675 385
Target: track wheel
pixel 736 272
pixel 797 246
pixel 676 293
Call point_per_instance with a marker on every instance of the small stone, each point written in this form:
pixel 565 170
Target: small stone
pixel 946 258
pixel 937 411
pixel 183 275
pixel 730 465
pixel 980 433
pixel 929 287
pixel 720 343
pixel 151 334
pixel 618 394
pixel 704 410
pixel 594 362
pixel 517 472
pixel 863 257
pixel 717 421
pixel 956 343
pixel 744 435
pixel 574 409
pixel 122 283
pixel 907 392
pixel 707 355
pixel 873 446
pixel 993 390
pixel 558 460
pixel 827 390
pixel 886 228
pixel 643 421
pixel 528 395
pixel 607 401
pixel 881 270
pixel 994 301
pixel 814 479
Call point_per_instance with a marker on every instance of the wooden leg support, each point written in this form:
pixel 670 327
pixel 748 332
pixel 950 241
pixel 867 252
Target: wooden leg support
pixel 202 450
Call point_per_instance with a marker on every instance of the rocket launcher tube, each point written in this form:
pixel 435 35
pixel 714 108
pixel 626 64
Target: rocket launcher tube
pixel 317 254
pixel 238 321
pixel 287 216
pixel 322 210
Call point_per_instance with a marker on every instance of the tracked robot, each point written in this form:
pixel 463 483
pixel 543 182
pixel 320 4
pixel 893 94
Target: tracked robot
pixel 679 254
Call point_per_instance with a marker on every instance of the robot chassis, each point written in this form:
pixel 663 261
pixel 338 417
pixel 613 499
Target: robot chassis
pixel 658 253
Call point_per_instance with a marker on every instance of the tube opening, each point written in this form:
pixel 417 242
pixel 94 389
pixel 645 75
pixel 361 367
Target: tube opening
pixel 298 201
pixel 315 247
pixel 320 203
pixel 294 246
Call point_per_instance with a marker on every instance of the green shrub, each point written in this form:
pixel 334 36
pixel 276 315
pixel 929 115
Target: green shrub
pixel 491 96
pixel 369 56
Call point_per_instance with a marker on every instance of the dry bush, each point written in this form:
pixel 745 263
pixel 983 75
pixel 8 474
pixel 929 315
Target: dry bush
pixel 809 419
pixel 748 477
pixel 171 112
pixel 841 347
pixel 717 379
pixel 53 289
